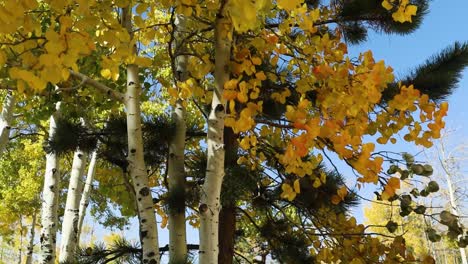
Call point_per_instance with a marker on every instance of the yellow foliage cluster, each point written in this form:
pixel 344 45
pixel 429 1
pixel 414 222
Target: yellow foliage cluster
pixel 403 10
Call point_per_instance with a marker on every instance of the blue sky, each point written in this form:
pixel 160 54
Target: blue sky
pixel 446 23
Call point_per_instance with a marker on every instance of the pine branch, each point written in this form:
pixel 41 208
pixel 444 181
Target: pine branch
pixel 438 76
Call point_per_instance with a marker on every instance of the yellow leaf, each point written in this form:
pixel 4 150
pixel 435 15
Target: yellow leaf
pixel 297 187
pixel 387 5
pixel 290 5
pixel 342 192
pixel 142 7
pixel 288 192
pixel 106 73
pixel 410 11
pixel 317 183
pixel 335 199
pixel 392 186
pixel 65 74
pixel 244 143
pixel 3 58
pixel 244 14
pixel 256 61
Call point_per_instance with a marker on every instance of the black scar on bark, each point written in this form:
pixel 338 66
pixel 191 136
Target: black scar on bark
pixel 152 261
pixel 131 83
pixel 133 150
pixel 143 220
pixel 143 234
pixel 144 191
pixel 151 254
pixel 203 208
pixel 145 261
pixel 54 170
pixel 219 108
pixel 80 155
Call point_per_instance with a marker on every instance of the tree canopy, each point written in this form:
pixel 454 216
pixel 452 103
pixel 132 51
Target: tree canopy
pixel 224 114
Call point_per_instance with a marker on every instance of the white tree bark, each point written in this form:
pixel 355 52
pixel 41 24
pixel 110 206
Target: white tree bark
pixel 176 168
pixel 5 119
pixel 50 200
pixel 32 234
pixel 70 219
pixel 137 167
pixel 85 195
pixel 137 170
pixel 211 190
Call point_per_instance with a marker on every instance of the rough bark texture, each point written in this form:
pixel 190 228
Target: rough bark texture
pixel 50 200
pixel 227 216
pixel 176 177
pixel 70 219
pixel 5 119
pixel 176 168
pixel 32 233
pixel 136 162
pixel 227 229
pixel 211 190
pixel 85 195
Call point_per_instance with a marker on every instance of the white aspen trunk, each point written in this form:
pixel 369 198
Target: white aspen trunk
pixel 137 170
pixel 50 200
pixel 5 119
pixel 32 233
pixel 85 195
pixel 176 168
pixel 70 219
pixel 211 190
pixel 136 162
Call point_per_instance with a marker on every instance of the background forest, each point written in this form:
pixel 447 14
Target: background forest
pixel 232 131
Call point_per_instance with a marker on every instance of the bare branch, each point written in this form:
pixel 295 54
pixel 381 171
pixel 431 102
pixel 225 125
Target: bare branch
pixel 101 87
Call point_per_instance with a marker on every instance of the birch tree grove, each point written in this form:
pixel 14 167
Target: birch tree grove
pixel 197 102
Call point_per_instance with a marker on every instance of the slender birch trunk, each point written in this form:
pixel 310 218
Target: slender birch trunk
pixel 70 219
pixel 211 190
pixel 85 195
pixel 32 233
pixel 5 119
pixel 137 167
pixel 50 200
pixel 176 168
